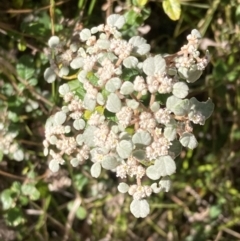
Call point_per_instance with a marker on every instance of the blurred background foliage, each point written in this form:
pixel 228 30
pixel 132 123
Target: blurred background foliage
pixel 204 201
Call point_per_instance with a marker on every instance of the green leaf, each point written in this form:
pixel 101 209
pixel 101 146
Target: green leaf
pixel 80 181
pixel 93 79
pixel 14 217
pixel 6 199
pixel 139 154
pixel 172 8
pixel 129 74
pixel 1 155
pixel 215 211
pixel 141 3
pixel 81 213
pixel 193 75
pixel 205 108
pixel 25 67
pixel 175 148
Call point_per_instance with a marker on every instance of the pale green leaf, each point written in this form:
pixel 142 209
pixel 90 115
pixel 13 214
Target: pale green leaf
pixel 109 162
pixel 188 140
pixel 96 169
pixel 154 65
pixel 60 117
pixel 123 187
pixel 85 34
pixel 163 166
pixel 124 149
pixel 130 62
pixel 116 20
pixel 113 103
pixel 79 124
pixel 53 41
pixel 140 208
pixel 127 88
pixel 180 90
pixel 54 165
pixel 49 75
pixel 142 138
pixel 139 45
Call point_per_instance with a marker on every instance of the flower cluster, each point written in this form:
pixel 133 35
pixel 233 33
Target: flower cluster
pixel 112 115
pixel 8 144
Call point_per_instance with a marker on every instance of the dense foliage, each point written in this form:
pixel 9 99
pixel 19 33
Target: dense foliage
pixel 70 204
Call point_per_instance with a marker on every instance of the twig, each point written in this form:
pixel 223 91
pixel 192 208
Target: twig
pixel 71 216
pixel 6 174
pixel 23 11
pixel 219 235
pixel 231 232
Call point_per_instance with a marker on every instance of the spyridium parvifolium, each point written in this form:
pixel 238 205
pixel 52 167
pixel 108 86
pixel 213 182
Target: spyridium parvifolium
pixel 114 114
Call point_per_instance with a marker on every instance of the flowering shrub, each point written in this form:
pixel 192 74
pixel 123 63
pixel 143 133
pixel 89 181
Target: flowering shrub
pixel 125 109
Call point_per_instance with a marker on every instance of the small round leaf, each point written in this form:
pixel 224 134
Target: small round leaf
pixel 163 166
pixel 49 75
pixel 113 103
pixel 142 138
pixel 123 187
pixel 140 208
pixel 53 41
pixel 116 20
pixel 60 117
pixel 54 165
pixel 180 90
pixel 63 89
pixel 127 88
pixel 109 162
pixel 96 169
pixel 188 140
pixel 79 124
pixel 124 148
